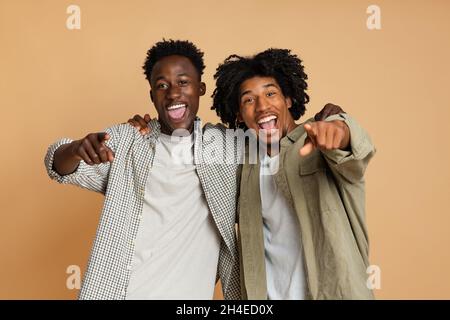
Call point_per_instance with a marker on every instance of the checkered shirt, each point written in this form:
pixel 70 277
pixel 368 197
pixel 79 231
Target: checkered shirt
pixel 123 184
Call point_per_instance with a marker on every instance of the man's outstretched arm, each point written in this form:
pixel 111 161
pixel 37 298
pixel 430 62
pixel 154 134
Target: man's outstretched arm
pixel 85 162
pixel 344 143
pixel 91 149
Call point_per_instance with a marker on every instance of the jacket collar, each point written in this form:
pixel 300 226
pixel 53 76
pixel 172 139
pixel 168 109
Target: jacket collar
pixel 295 134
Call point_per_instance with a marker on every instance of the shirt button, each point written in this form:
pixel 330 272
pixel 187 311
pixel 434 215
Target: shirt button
pixel 124 292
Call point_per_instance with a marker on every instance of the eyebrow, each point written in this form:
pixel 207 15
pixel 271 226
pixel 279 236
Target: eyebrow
pixel 264 86
pixel 178 75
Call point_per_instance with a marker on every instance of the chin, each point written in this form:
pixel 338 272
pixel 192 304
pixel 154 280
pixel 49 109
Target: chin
pixel 184 125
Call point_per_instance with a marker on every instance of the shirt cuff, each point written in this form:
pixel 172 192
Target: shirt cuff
pixel 358 146
pixel 49 159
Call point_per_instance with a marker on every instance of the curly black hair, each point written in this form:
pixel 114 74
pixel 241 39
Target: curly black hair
pixel 171 47
pixel 284 67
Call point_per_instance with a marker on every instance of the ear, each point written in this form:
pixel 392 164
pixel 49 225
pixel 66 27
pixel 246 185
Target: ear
pixel 151 95
pixel 288 102
pixel 239 117
pixel 202 88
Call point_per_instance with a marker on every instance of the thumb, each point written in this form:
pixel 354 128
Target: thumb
pixel 307 148
pixel 103 136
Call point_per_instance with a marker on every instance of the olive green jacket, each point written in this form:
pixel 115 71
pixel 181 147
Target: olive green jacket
pixel 326 190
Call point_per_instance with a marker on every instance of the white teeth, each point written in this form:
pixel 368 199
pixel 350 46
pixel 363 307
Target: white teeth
pixel 266 119
pixel 176 106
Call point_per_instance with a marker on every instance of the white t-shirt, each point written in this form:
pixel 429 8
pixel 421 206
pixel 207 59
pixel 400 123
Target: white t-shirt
pixel 177 245
pixel 282 241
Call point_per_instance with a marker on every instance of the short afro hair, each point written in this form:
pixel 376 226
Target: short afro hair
pixel 171 47
pixel 280 64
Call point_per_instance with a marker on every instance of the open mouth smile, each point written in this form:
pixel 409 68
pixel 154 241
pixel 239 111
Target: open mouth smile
pixel 268 123
pixel 176 111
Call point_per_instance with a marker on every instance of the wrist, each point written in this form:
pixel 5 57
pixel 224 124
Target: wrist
pixel 73 149
pixel 345 143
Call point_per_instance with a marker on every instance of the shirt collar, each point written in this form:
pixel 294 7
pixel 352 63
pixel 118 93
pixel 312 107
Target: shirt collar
pixel 295 134
pixel 155 127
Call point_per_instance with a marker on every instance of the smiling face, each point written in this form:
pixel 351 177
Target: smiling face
pixel 262 106
pixel 175 91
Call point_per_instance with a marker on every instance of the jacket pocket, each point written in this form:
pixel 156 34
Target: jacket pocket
pixel 315 181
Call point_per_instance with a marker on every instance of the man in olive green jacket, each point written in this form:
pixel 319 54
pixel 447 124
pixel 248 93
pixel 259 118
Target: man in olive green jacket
pixel 326 190
pixel 302 233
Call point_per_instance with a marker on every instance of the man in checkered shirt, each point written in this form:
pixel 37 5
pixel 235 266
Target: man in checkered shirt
pixel 167 226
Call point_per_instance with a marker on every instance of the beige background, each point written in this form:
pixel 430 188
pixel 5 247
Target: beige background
pixel 56 82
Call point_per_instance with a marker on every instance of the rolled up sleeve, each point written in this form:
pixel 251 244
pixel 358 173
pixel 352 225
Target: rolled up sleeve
pixel 91 177
pixel 351 164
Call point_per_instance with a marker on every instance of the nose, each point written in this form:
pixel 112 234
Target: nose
pixel 262 104
pixel 173 92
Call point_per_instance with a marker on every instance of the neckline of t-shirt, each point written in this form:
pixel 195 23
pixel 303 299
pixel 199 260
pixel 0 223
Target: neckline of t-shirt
pixel 177 139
